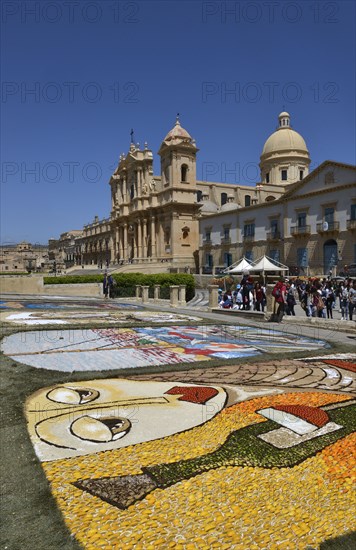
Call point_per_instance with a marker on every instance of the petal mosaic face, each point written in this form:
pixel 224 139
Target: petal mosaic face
pixel 105 349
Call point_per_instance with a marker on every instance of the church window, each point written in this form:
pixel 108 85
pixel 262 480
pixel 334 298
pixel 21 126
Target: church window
pixel 132 191
pixel 223 198
pixel 301 174
pixel 267 177
pixel 247 200
pixel 284 174
pixel 184 172
pixel 199 196
pixel 353 211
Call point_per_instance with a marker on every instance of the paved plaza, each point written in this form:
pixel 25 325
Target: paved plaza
pixel 158 428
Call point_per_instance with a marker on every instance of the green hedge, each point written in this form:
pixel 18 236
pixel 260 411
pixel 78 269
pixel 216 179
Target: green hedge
pixel 129 280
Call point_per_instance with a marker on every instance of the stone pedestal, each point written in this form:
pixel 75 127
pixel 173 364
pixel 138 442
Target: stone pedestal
pixel 138 291
pixel 157 289
pixel 213 295
pixel 145 290
pixel 174 290
pixel 181 295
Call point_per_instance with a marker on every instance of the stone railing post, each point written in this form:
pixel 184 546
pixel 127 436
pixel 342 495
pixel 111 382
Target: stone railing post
pixel 138 291
pixel 173 291
pixel 145 290
pixel 213 295
pixel 156 289
pixel 181 295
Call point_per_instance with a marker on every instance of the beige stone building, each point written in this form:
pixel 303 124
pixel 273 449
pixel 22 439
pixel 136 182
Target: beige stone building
pixel 311 228
pixel 23 257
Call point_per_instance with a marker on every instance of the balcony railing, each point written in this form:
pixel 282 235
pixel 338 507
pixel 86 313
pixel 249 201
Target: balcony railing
pixel 324 227
pixel 300 231
pixel 206 241
pixel 273 235
pixel 351 224
pixel 225 240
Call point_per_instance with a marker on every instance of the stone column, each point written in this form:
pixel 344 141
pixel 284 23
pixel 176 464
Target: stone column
pixel 213 295
pixel 125 242
pixel 182 298
pixel 144 238
pixel 117 252
pixel 153 238
pixel 145 289
pixel 157 289
pixel 174 289
pixel 139 239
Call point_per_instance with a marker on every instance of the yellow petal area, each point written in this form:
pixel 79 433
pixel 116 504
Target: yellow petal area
pixel 229 507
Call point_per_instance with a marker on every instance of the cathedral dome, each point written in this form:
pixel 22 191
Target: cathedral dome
pixel 208 206
pixel 285 157
pixel 284 138
pixel 229 205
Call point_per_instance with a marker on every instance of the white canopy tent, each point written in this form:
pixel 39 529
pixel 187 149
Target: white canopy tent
pixel 264 264
pixel 239 267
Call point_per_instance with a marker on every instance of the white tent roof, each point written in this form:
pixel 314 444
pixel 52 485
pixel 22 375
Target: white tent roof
pixel 267 264
pixel 239 267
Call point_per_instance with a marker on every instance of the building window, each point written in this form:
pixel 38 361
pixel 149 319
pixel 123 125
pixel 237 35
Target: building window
pixel 223 199
pixel 184 172
pixel 249 255
pixel 301 174
pixel 226 233
pixel 274 228
pixel 329 215
pixel 353 211
pixel 208 236
pixel 284 175
pixel 227 259
pixel 249 230
pixel 132 194
pixel 209 260
pixel 302 257
pixel 247 200
pixel 267 177
pixel 199 196
pixel 301 219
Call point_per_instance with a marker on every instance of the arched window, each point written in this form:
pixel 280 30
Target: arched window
pixel 184 172
pixel 247 200
pixel 270 198
pixel 199 196
pixel 223 199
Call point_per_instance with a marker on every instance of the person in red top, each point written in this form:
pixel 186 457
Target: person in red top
pixel 279 293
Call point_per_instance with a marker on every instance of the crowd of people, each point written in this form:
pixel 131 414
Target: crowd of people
pixel 317 297
pixel 247 295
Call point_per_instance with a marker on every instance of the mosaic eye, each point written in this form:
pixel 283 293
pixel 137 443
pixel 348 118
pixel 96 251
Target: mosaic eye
pixel 72 396
pixel 101 430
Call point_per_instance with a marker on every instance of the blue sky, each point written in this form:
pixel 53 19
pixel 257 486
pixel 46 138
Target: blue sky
pixel 78 76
